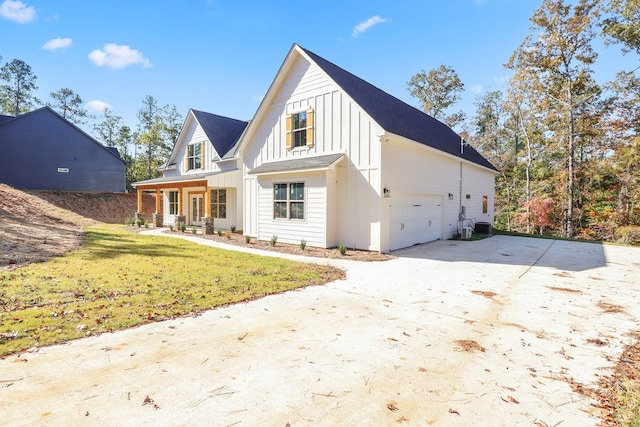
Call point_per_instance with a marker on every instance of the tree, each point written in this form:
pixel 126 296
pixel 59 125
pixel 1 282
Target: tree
pixel 158 130
pixel 69 105
pixel 17 93
pixel 107 130
pixel 558 58
pixel 438 90
pixel 623 25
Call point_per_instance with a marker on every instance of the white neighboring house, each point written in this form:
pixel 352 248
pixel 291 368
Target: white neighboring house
pixel 329 158
pixel 202 178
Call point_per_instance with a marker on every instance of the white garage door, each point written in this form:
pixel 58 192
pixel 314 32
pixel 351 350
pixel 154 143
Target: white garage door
pixel 415 218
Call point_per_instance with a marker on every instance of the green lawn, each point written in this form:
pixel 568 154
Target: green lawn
pixel 119 279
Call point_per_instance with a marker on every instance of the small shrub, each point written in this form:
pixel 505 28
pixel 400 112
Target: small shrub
pixel 171 227
pixel 233 228
pixel 219 231
pixel 303 244
pixel 146 224
pixel 227 234
pixel 247 239
pixel 182 226
pixel 342 249
pixel 139 222
pixel 274 240
pixel 193 230
pixel 130 221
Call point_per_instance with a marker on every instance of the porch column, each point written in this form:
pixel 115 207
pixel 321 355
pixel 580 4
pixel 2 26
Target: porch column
pixel 157 216
pixel 207 202
pixel 207 221
pixel 139 191
pixel 138 215
pixel 180 211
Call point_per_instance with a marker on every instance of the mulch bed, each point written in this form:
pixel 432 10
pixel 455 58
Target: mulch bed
pixel 238 239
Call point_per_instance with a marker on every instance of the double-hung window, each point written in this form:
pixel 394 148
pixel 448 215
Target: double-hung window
pixel 219 203
pixel 173 203
pixel 288 201
pixel 195 156
pixel 300 129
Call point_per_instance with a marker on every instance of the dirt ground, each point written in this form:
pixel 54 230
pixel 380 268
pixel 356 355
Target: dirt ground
pixel 36 226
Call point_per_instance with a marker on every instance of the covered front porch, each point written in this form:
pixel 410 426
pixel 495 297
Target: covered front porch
pixel 205 201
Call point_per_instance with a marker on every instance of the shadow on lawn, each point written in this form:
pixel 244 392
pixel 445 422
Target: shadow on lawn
pixel 108 245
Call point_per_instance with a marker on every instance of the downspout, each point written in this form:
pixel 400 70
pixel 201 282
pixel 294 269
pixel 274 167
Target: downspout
pixel 460 217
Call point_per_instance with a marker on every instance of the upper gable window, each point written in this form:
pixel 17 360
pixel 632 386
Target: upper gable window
pixel 194 158
pixel 300 129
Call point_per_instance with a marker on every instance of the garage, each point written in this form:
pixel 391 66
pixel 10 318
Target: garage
pixel 415 218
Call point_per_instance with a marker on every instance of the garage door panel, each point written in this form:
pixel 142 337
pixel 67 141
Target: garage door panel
pixel 415 218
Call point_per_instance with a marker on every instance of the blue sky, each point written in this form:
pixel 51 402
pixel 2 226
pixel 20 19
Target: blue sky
pixel 220 56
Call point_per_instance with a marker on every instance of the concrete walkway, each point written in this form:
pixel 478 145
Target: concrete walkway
pixel 450 333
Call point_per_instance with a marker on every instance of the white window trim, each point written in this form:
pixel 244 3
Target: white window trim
pixel 288 201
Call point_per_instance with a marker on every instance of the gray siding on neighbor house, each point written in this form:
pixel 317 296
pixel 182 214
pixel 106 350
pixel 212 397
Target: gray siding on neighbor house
pixel 42 151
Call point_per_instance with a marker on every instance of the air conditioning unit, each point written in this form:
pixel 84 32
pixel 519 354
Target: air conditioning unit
pixel 467 232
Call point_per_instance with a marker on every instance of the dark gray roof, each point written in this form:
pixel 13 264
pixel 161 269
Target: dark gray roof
pixel 223 132
pixel 5 118
pixel 114 150
pixel 302 163
pixel 398 117
pixel 179 178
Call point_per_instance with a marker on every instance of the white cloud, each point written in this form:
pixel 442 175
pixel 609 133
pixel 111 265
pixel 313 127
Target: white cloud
pixel 364 26
pixel 59 43
pixel 117 57
pixel 97 106
pixel 17 11
pixel 476 89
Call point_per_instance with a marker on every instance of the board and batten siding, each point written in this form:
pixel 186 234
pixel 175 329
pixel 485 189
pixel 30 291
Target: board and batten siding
pixel 193 133
pixel 340 126
pixel 434 173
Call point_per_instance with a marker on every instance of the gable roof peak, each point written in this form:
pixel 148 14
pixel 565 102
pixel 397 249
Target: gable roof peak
pixel 396 116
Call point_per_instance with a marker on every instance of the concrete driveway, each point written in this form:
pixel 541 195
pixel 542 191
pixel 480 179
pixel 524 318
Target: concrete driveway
pixel 450 333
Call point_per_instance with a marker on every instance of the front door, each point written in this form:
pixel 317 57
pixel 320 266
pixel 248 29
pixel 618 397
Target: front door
pixel 197 209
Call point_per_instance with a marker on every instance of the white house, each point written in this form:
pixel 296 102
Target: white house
pixel 202 178
pixel 329 158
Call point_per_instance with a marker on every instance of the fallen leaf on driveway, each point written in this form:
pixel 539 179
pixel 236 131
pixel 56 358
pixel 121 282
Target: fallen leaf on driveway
pixel 392 406
pixel 453 411
pixel 510 399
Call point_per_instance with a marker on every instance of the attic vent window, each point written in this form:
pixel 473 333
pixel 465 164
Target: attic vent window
pixel 300 129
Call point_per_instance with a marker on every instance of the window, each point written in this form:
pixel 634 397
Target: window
pixel 173 203
pixel 288 201
pixel 485 204
pixel 300 129
pixel 219 203
pixel 195 156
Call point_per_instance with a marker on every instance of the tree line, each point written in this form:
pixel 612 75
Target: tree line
pixel 144 148
pixel 567 148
